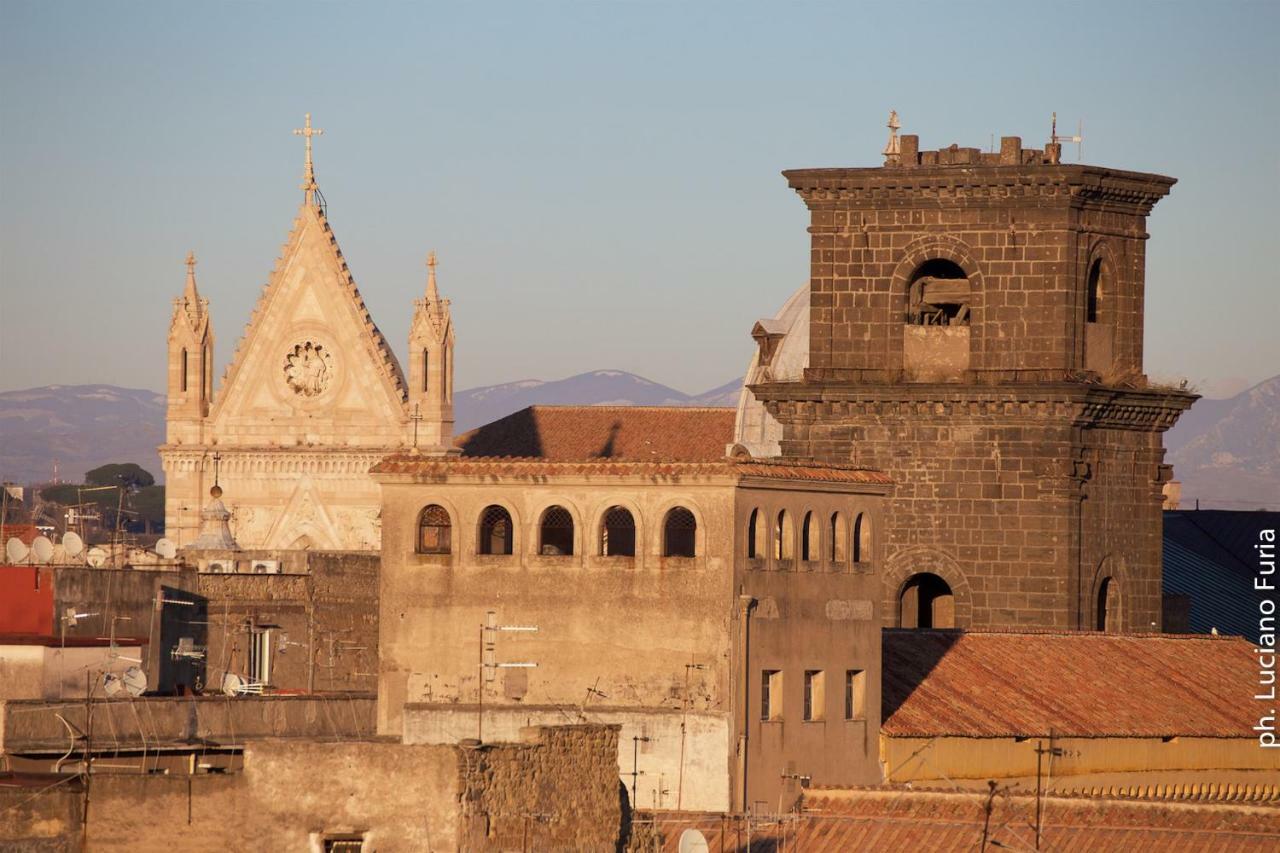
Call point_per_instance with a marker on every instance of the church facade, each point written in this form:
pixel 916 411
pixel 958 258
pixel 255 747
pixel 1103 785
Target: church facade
pixel 312 399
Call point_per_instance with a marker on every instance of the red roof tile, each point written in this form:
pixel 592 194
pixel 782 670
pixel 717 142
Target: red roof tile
pixel 894 819
pixel 617 433
pixel 1025 683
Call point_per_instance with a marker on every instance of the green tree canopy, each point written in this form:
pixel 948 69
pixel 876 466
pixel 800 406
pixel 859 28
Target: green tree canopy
pixel 128 474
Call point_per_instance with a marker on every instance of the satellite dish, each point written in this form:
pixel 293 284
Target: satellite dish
pixel 41 549
pixel 72 544
pixel 15 550
pixel 232 684
pixel 167 549
pixel 111 684
pixel 693 841
pixel 135 681
pixel 96 557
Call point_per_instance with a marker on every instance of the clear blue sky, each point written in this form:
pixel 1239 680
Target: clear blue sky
pixel 600 180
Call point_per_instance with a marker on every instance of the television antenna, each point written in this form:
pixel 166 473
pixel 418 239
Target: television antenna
pixel 15 550
pixel 1078 139
pixel 489 664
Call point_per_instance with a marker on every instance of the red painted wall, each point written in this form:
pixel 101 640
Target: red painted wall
pixel 26 600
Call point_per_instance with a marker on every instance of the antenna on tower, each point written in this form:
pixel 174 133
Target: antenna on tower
pixel 1078 139
pixel 893 148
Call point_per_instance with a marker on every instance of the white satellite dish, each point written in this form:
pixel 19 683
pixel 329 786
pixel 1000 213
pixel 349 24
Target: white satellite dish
pixel 167 549
pixel 693 841
pixel 111 684
pixel 135 681
pixel 42 549
pixel 15 550
pixel 72 544
pixel 96 557
pixel 232 684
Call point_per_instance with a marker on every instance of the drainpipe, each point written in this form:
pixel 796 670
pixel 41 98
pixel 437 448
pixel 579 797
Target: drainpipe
pixel 745 603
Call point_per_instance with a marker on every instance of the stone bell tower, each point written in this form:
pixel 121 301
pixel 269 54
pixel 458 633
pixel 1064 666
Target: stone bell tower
pixel 975 330
pixel 431 370
pixel 190 363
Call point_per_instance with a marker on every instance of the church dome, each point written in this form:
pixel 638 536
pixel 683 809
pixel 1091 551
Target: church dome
pixel 755 430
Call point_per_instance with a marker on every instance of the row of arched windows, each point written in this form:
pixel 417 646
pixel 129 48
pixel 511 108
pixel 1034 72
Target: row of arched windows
pixel 775 537
pixel 556 532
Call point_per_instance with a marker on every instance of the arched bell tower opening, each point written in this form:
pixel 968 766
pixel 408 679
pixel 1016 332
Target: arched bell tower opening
pixel 926 601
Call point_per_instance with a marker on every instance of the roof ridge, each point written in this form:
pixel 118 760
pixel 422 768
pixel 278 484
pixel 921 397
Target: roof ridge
pixel 1063 632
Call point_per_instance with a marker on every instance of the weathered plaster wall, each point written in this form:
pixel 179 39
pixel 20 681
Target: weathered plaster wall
pixel 624 627
pixel 556 789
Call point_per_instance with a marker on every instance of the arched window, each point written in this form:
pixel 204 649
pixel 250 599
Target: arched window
pixel 939 295
pixel 861 538
pixel 926 602
pixel 679 533
pixel 1108 605
pixel 496 531
pixel 756 546
pixel 618 533
pixel 1093 298
pixel 839 538
pixel 808 538
pixel 784 537
pixel 434 530
pixel 555 534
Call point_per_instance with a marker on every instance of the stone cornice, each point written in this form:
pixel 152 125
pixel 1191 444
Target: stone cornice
pixel 1085 405
pixel 930 186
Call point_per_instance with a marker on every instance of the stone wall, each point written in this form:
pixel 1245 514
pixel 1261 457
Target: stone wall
pixel 326 619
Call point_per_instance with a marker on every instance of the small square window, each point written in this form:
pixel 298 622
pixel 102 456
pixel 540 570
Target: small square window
pixel 814 694
pixel 855 694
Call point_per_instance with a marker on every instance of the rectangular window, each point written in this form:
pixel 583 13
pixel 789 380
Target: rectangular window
pixel 771 695
pixel 343 844
pixel 426 370
pixel 855 694
pixel 260 655
pixel 184 370
pixel 814 694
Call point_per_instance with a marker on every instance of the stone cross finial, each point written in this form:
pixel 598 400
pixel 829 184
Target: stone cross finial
pixel 432 293
pixel 191 263
pixel 309 175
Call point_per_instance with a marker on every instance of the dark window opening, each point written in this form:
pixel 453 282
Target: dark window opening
pixel 755 550
pixel 839 539
pixel 434 530
pixel 808 538
pixel 679 533
pixel 618 533
pixel 939 295
pixel 1108 605
pixel 771 694
pixel 1094 297
pixel 814 694
pixel 855 694
pixel 184 369
pixel 556 533
pixel 426 370
pixel 861 538
pixel 784 538
pixel 496 531
pixel 926 601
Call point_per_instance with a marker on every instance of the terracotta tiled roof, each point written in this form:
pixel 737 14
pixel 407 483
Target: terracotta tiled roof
pixel 892 820
pixel 1024 683
pixel 617 433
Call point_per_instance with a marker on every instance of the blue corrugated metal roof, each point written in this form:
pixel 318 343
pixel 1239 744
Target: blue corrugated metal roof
pixel 1222 597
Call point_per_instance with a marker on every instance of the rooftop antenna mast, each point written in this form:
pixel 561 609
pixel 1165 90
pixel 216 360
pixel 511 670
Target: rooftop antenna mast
pixel 489 664
pixel 1078 139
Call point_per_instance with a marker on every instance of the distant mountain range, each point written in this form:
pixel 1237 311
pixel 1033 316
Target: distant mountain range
pixel 80 427
pixel 1227 452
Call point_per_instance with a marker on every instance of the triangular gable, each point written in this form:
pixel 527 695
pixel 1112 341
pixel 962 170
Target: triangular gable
pixel 311 297
pixel 304 516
